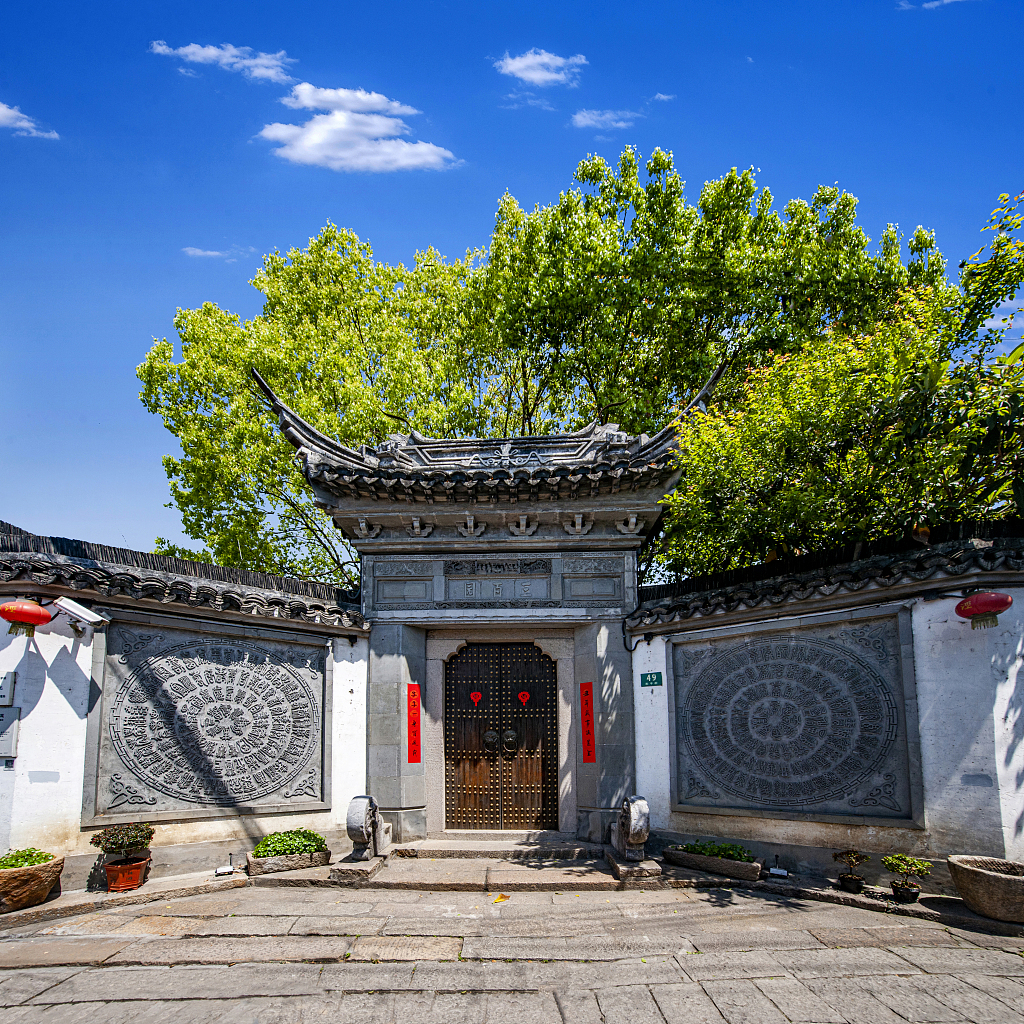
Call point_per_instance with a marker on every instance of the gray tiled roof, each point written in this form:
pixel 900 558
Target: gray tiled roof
pixel 413 468
pixel 111 572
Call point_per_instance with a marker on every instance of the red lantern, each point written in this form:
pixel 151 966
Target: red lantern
pixel 24 616
pixel 983 609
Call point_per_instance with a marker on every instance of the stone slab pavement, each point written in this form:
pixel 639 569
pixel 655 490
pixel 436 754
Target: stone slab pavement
pixel 287 955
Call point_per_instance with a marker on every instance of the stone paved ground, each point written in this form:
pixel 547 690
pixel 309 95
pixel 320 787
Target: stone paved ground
pixel 290 955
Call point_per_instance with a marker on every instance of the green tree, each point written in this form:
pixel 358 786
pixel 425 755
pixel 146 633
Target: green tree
pixel 619 299
pixel 614 302
pixel 854 437
pixel 354 346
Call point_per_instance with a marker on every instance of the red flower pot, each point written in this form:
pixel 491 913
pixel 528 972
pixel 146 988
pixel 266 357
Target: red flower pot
pixel 125 875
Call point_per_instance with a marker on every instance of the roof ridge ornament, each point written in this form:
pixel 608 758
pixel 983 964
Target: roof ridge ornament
pixel 523 529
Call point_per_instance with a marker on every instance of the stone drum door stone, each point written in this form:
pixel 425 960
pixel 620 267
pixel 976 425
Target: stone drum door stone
pixel 501 756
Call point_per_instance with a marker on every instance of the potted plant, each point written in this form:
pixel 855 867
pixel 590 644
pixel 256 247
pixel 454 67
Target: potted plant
pixel 288 851
pixel 129 872
pixel 850 881
pixel 903 889
pixel 727 859
pixel 26 878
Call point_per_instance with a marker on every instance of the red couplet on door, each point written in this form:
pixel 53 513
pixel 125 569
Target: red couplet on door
pixel 413 697
pixel 587 722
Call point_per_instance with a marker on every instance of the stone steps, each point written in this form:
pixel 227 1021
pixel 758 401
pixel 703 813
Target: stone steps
pixel 500 849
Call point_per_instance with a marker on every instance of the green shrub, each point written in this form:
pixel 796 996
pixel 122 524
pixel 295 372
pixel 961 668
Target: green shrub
pixel 281 844
pixel 119 838
pixel 727 851
pixel 908 867
pixel 852 859
pixel 25 858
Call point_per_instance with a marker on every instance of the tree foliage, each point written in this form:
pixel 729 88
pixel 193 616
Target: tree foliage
pixel 857 436
pixel 613 303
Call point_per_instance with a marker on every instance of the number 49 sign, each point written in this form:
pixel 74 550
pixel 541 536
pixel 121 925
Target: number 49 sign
pixel 650 679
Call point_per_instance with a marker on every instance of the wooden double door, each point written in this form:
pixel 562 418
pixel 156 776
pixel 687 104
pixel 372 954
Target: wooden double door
pixel 500 738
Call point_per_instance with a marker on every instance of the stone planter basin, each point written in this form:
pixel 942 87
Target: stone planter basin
pixel 989 886
pixel 289 862
pixel 25 887
pixel 742 870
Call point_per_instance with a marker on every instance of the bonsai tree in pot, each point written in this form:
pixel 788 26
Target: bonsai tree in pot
pixel 850 881
pixel 903 889
pixel 129 872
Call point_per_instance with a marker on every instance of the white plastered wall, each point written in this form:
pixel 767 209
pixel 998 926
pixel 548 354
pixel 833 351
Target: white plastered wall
pixel 41 796
pixel 971 698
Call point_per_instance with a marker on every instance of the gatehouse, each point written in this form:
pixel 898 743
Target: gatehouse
pixel 500 673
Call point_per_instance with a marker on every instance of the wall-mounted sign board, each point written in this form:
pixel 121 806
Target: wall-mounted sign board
pixel 650 679
pixel 7 681
pixel 9 720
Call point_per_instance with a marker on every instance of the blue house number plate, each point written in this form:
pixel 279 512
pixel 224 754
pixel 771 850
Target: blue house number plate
pixel 650 679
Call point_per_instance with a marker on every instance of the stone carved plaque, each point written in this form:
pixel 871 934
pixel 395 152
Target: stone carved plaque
pixel 199 721
pixel 800 721
pixel 498 567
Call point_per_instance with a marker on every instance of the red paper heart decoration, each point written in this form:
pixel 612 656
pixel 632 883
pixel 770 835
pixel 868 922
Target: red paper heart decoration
pixel 475 697
pixel 524 696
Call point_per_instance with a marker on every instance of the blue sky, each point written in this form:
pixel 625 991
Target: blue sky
pixel 151 153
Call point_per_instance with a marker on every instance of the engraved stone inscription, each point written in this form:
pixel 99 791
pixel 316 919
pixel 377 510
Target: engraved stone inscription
pixel 496 589
pixel 595 565
pixel 498 567
pixel 219 722
pixel 403 568
pixel 788 721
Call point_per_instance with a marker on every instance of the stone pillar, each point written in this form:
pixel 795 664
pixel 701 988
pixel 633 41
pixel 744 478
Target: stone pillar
pixel 397 658
pixel 652 724
pixel 602 658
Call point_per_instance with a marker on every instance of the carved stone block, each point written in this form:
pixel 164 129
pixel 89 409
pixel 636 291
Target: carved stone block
pixel 192 723
pixel 799 720
pixel 631 829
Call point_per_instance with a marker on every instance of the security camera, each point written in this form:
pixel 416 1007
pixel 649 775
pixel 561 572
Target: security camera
pixel 79 613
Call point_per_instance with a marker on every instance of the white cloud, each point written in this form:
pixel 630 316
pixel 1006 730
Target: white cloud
pixel 664 97
pixel 938 3
pixel 605 118
pixel 265 67
pixel 231 255
pixel 12 117
pixel 356 134
pixel 526 99
pixel 357 101
pixel 538 67
pixel 750 60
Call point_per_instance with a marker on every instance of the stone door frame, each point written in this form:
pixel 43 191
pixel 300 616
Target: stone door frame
pixel 557 644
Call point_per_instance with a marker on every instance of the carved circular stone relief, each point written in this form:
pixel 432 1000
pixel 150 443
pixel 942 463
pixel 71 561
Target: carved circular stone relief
pixel 216 722
pixel 787 722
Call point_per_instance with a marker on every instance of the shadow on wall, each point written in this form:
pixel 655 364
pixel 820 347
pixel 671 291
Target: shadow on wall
pixel 1006 667
pixel 63 671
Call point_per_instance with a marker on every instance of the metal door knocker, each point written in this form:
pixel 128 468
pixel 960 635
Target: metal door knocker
pixel 509 741
pixel 491 741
